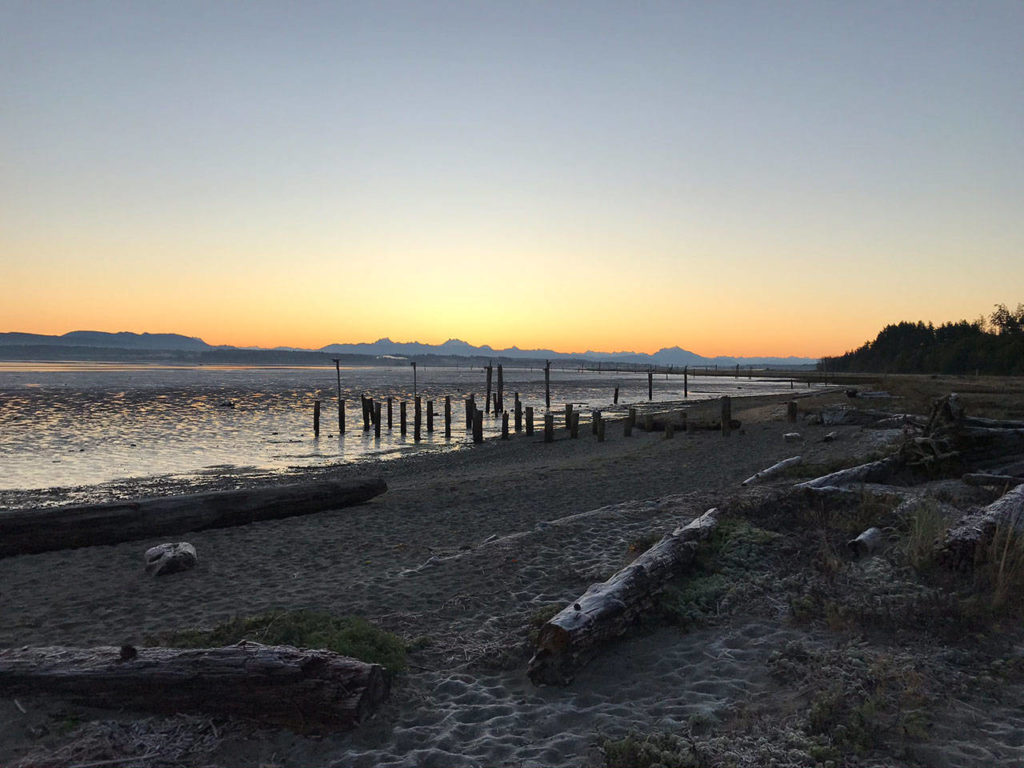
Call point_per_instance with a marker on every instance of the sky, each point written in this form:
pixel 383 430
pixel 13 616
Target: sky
pixel 736 178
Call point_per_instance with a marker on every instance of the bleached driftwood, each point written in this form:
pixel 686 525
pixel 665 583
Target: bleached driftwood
pixel 605 611
pixel 306 690
pixel 774 469
pixel 42 530
pixel 965 542
pixel 872 472
pixel 862 417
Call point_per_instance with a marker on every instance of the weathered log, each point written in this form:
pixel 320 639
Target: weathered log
pixel 964 544
pixel 42 530
pixel 306 690
pixel 872 472
pixel 982 478
pixel 774 469
pixel 863 417
pixel 605 611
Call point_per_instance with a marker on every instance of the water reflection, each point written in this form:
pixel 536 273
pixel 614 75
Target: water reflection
pixel 73 424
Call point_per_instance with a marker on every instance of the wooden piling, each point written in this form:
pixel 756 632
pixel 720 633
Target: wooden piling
pixel 650 385
pixel 595 419
pixel 737 370
pixel 616 400
pixel 568 415
pixel 470 410
pixel 600 428
pixel 447 416
pixel 726 415
pixel 686 381
pixel 390 399
pixel 574 425
pixel 478 425
pixel 494 402
pixel 487 402
pixel 341 403
pixel 376 420
pixel 791 411
pixel 366 412
pixel 529 420
pixel 430 416
pixel 519 414
pixel 316 418
pixel 549 428
pixel 504 425
pixel 501 391
pixel 417 419
pixel 547 384
pixel 402 417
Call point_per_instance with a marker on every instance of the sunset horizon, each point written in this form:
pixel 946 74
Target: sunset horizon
pixel 738 179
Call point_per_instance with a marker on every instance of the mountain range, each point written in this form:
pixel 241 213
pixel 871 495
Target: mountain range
pixel 14 343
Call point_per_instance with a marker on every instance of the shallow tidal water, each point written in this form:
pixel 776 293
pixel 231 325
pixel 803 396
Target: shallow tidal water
pixel 70 424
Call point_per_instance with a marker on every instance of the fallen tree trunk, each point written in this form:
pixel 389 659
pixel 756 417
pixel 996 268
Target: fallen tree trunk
pixel 872 472
pixel 42 530
pixel 964 544
pixel 306 690
pixel 605 611
pixel 774 469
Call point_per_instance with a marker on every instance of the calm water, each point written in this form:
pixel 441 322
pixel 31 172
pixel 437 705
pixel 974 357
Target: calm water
pixel 65 424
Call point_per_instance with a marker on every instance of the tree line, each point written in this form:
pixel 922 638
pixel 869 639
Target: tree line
pixel 993 345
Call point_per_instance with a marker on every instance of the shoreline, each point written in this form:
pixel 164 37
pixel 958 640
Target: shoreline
pixel 236 477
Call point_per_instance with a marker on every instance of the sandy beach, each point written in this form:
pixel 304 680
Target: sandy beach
pixel 463 549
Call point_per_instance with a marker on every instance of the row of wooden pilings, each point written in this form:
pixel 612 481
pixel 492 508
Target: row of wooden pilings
pixel 373 416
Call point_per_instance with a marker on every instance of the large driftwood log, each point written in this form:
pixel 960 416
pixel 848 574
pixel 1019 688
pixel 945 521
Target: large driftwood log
pixel 42 530
pixel 872 472
pixel 774 469
pixel 964 544
pixel 304 690
pixel 605 611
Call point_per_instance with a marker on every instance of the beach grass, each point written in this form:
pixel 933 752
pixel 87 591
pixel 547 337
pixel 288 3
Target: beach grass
pixel 345 635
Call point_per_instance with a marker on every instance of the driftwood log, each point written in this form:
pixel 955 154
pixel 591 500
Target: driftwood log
pixel 964 544
pixel 308 691
pixel 872 472
pixel 607 610
pixel 41 530
pixel 774 469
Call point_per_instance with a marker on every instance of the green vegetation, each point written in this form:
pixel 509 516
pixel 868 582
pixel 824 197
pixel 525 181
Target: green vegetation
pixel 727 563
pixel 656 750
pixel 347 635
pixel 992 347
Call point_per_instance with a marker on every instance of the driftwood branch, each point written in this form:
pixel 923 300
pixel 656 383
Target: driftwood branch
pixel 306 690
pixel 605 611
pixel 965 542
pixel 42 530
pixel 774 469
